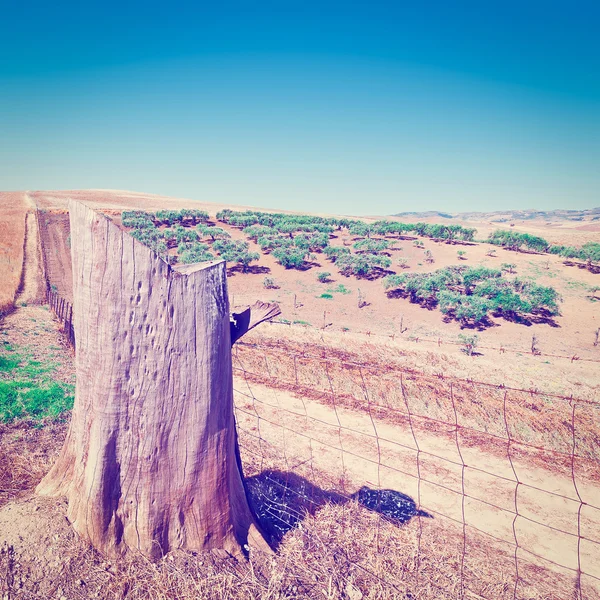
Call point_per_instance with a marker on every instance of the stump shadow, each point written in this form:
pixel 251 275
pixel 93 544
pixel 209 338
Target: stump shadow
pixel 281 500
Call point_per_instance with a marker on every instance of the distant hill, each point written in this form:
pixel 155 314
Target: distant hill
pixel 586 215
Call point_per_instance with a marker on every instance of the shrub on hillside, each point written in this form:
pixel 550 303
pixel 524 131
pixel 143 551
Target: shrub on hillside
pixel 137 218
pixel 151 237
pixel 312 242
pixel 256 231
pixel 291 257
pixel 236 252
pixel 269 243
pixel 269 284
pixel 168 217
pixel 361 265
pixel 361 229
pixel 214 233
pixel 512 240
pixel 470 294
pixel 371 245
pixel 193 216
pixel 194 253
pixel 466 309
pixel 590 252
pixel 469 343
pixel 181 234
pixel 334 252
pixel 391 227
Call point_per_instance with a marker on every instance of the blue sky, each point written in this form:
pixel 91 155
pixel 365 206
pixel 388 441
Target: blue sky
pixel 361 108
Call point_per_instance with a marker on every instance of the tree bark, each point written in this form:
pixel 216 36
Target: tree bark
pixel 151 460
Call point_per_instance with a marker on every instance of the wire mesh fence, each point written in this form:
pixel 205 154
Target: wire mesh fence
pixel 440 342
pixel 511 468
pixel 63 310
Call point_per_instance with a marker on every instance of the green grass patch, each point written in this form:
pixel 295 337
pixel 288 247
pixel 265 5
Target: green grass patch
pixel 27 389
pixel 9 363
pixel 340 289
pixel 576 285
pixel 34 369
pixel 21 398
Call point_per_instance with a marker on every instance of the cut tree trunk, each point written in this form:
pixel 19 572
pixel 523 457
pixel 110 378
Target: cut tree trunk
pixel 151 461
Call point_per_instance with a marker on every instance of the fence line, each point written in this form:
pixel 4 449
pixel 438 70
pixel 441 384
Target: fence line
pixel 413 372
pixel 265 421
pixel 63 310
pixel 439 342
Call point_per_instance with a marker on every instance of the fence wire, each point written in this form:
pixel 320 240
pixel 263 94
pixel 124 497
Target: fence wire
pixel 63 311
pixel 439 342
pixel 514 452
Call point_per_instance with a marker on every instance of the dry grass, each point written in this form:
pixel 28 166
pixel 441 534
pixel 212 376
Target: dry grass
pixel 13 211
pixel 27 449
pixel 577 378
pixel 337 550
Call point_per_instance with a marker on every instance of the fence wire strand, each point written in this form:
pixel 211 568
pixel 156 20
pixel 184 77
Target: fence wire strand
pixel 335 434
pixel 439 342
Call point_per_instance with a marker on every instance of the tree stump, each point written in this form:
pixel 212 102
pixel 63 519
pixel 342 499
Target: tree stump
pixel 151 461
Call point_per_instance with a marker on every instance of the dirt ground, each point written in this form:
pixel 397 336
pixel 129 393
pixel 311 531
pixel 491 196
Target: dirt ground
pixel 478 500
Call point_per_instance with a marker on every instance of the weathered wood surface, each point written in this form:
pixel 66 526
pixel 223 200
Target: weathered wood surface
pixel 150 461
pixel 250 317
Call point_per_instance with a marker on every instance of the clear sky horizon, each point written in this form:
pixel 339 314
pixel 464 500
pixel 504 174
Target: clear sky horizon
pixel 372 108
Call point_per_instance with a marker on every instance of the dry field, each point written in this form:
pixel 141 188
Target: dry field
pixel 13 212
pixel 492 460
